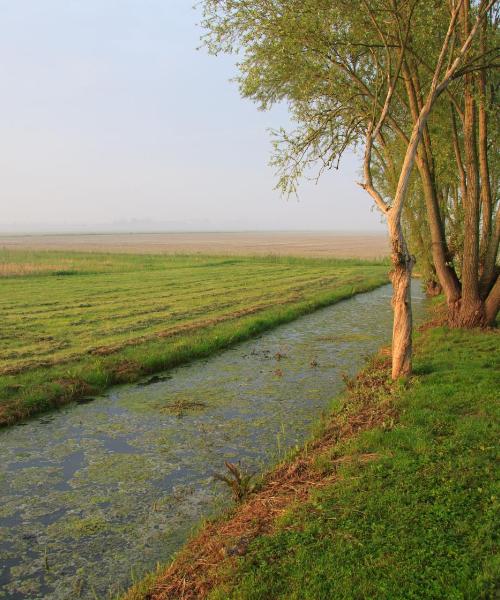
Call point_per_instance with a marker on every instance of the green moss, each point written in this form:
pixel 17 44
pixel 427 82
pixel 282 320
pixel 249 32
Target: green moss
pixel 77 527
pixel 8 510
pixel 36 477
pixel 118 469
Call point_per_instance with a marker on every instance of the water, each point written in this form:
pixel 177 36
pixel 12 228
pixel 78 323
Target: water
pixel 98 492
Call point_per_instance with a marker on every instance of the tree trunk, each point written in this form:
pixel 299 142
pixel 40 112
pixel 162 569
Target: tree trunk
pixel 471 306
pixel 492 304
pixel 401 301
pixel 458 154
pixel 489 267
pixel 486 198
pixel 440 254
pixel 424 159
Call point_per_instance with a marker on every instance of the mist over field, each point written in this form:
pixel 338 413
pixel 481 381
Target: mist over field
pixel 118 123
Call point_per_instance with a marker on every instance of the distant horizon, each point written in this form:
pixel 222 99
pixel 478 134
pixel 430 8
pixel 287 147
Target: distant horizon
pixel 76 232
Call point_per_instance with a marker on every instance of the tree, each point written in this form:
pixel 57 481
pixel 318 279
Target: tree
pixel 339 65
pixel 459 196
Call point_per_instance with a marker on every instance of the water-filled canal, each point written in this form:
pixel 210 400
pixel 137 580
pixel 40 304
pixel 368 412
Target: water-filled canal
pixel 97 493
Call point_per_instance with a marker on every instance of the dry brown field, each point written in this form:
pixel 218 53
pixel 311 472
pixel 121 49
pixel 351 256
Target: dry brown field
pixel 313 244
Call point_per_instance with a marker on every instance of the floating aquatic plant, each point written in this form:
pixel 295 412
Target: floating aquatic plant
pixel 241 484
pixel 181 406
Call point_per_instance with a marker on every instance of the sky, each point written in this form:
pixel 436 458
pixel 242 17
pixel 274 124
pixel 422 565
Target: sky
pixel 112 119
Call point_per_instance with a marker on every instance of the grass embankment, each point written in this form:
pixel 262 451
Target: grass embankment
pixel 396 498
pixel 75 323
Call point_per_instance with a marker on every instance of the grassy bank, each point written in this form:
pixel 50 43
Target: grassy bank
pixel 397 497
pixel 76 323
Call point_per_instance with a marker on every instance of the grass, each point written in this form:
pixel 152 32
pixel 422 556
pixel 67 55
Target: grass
pixel 420 521
pixel 75 323
pixel 395 498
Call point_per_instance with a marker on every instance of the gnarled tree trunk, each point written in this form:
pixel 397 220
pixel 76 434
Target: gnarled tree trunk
pixel 402 266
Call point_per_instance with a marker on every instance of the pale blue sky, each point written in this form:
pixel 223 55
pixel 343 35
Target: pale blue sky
pixel 109 115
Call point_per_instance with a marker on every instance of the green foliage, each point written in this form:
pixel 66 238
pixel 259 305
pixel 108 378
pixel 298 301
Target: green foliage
pixel 328 62
pixel 420 521
pixel 120 317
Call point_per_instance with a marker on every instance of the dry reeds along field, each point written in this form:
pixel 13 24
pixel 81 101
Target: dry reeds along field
pixel 74 323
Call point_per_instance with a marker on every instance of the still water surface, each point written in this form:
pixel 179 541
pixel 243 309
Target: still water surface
pixel 93 495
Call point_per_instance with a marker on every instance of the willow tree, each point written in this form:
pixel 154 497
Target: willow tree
pixel 479 298
pixel 458 164
pixel 454 235
pixel 338 65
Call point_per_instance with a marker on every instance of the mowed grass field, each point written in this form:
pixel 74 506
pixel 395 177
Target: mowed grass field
pixel 75 323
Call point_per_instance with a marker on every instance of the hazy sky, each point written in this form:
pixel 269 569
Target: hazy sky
pixel 111 117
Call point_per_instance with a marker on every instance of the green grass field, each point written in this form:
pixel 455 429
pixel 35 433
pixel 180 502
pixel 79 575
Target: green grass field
pixel 417 520
pixel 75 323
